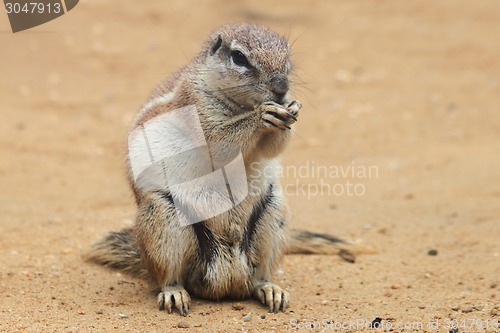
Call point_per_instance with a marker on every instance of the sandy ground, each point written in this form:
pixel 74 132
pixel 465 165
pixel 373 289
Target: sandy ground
pixel 407 90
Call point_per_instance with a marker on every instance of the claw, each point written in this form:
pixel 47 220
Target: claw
pixel 284 303
pixel 175 296
pixel 294 108
pixel 277 301
pixel 278 116
pixel 291 116
pixel 270 120
pixel 272 296
pixel 269 298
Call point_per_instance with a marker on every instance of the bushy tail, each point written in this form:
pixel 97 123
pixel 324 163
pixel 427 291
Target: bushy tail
pixel 307 242
pixel 119 250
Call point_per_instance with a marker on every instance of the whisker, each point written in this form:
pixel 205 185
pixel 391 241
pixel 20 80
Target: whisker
pixel 297 133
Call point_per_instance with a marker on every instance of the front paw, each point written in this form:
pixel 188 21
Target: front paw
pixel 275 115
pixel 272 296
pixel 174 296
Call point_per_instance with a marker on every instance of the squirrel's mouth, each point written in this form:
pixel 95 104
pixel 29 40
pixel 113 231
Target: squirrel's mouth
pixel 237 106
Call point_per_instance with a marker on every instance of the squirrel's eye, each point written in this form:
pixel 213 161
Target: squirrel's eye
pixel 239 59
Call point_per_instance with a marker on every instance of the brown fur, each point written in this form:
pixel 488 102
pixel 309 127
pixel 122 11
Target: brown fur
pixel 234 254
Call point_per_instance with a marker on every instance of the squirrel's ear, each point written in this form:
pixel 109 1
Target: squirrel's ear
pixel 216 46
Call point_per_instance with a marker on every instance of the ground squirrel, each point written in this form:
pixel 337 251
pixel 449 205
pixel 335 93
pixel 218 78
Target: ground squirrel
pixel 239 85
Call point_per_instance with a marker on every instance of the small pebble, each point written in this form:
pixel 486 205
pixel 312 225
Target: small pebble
pixel 343 75
pixel 20 126
pixel 248 317
pixel 433 252
pixel 382 231
pixel 183 324
pixel 123 315
pixel 455 308
pixel 454 330
pixel 238 307
pixel 66 251
pixel 395 286
pixel 409 196
pixel 467 310
pixel 376 322
pixel 262 316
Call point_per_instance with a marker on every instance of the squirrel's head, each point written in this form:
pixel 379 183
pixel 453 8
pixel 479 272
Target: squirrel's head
pixel 246 65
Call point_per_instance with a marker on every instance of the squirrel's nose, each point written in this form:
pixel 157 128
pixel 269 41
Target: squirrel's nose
pixel 279 85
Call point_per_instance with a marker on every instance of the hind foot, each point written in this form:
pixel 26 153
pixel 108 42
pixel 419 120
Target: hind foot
pixel 272 296
pixel 174 296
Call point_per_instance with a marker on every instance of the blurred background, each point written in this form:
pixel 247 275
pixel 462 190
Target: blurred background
pixel 408 87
